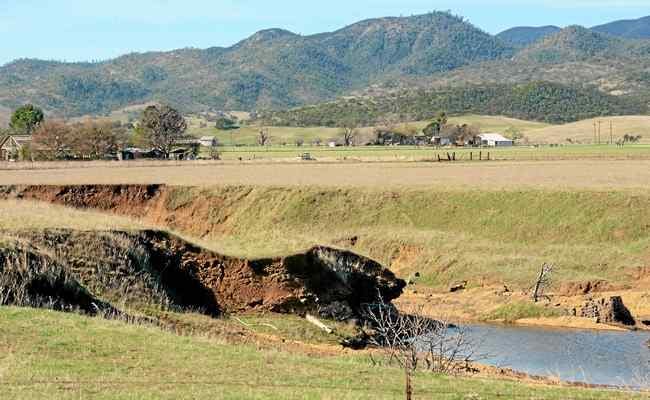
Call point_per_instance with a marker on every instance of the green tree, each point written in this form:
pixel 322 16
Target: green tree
pixel 515 134
pixel 164 126
pixel 434 128
pixel 225 124
pixel 26 119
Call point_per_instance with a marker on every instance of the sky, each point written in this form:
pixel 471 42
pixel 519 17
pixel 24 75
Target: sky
pixel 93 30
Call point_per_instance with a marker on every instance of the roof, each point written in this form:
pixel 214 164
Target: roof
pixel 19 140
pixel 207 138
pixel 495 137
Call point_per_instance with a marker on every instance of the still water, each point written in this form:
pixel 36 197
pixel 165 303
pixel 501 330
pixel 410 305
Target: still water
pixel 596 357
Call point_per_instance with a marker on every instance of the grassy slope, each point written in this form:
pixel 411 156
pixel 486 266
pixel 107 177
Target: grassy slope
pixel 482 236
pixel 15 215
pixel 583 131
pixel 446 235
pixel 61 356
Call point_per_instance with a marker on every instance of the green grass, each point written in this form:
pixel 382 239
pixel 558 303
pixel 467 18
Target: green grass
pixel 517 310
pixel 247 135
pixel 480 236
pixel 64 356
pixel 387 153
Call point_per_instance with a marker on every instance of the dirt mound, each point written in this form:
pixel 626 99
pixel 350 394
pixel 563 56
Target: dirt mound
pixel 153 267
pixel 586 287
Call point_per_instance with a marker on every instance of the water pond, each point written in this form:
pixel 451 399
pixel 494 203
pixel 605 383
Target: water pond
pixel 595 357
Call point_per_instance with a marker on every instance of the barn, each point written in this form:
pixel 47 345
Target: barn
pixel 495 140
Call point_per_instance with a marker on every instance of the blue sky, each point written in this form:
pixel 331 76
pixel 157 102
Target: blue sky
pixel 84 30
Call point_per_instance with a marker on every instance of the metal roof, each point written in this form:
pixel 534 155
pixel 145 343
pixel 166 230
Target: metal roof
pixel 495 137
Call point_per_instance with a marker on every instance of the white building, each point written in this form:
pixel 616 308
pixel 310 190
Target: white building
pixel 495 140
pixel 208 141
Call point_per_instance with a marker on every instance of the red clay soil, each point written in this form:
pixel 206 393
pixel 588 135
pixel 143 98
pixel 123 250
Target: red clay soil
pixel 131 200
pixel 156 267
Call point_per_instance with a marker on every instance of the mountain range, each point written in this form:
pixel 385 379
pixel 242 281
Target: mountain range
pixel 277 69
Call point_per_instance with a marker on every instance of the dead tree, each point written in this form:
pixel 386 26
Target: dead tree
pixel 350 134
pixel 263 137
pixel 543 281
pixel 412 341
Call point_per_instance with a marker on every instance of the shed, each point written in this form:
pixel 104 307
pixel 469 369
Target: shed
pixel 11 146
pixel 495 140
pixel 208 141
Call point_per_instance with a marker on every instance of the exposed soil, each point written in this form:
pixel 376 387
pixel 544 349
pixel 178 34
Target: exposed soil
pixel 153 267
pixel 586 287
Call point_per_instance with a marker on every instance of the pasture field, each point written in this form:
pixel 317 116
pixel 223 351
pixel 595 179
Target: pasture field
pixel 247 135
pixel 612 129
pixel 64 356
pixel 415 153
pixel 494 175
pixel 584 131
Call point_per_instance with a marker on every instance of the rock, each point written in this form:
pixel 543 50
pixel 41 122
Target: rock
pixel 458 287
pixel 337 311
pixel 607 311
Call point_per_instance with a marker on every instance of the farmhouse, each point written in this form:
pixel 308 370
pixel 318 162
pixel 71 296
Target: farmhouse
pixel 494 140
pixel 12 146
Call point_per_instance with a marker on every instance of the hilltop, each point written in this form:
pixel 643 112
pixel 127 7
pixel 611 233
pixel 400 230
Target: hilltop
pixel 523 36
pixel 629 28
pixel 272 68
pixel 278 69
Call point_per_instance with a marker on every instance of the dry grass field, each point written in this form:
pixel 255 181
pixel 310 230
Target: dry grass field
pixel 583 131
pixel 591 174
pixel 17 215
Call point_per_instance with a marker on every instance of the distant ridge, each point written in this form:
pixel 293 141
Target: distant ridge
pixel 523 36
pixel 629 28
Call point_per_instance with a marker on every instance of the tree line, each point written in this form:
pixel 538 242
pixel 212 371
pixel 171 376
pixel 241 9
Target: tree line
pixel 160 128
pixel 537 101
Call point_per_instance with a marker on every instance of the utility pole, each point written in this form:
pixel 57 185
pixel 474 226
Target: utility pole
pixel 611 132
pixel 595 133
pixel 599 124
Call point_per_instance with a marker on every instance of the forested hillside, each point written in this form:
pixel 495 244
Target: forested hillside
pixel 525 35
pixel 541 101
pixel 277 69
pixel 271 69
pixel 632 29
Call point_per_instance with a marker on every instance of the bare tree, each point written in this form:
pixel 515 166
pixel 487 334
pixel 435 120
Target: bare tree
pixel 349 133
pixel 164 126
pixel 412 340
pixel 53 140
pixel 263 137
pixel 543 282
pixel 94 140
pixel 631 139
pixel 214 152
